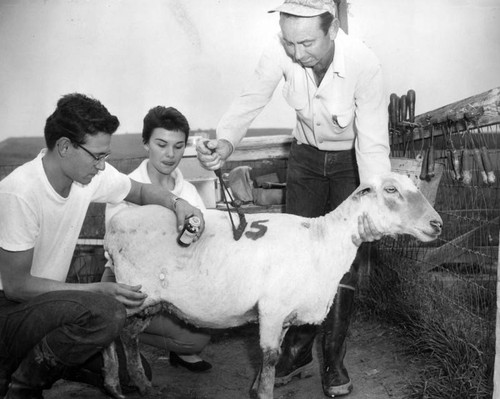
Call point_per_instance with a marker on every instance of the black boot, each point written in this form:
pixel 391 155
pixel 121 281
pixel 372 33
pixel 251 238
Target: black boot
pixel 336 381
pixel 37 371
pixel 296 357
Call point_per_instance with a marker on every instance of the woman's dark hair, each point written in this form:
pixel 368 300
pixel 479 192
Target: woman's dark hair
pixel 166 117
pixel 77 115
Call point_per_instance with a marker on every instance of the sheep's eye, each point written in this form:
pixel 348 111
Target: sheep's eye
pixel 391 189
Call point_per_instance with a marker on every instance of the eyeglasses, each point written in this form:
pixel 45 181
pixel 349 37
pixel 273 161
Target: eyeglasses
pixel 97 158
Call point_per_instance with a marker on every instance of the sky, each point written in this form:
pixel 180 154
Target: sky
pixel 196 55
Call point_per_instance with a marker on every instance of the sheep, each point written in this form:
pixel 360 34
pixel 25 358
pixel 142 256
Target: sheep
pixel 284 270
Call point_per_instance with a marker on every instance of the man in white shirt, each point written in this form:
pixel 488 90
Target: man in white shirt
pixel 334 83
pixel 46 324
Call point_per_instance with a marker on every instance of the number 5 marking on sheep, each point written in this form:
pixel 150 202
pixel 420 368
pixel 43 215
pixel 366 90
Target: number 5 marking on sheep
pixel 261 229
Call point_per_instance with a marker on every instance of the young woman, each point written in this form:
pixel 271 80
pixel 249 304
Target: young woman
pixel 165 134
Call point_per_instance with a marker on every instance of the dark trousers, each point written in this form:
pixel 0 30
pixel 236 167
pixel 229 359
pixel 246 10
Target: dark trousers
pixel 76 325
pixel 318 181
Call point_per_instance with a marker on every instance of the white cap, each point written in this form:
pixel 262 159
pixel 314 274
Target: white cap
pixel 306 8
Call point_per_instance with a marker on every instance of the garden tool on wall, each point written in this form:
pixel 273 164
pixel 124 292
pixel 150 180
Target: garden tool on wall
pixel 410 100
pixel 425 158
pixel 393 120
pixel 431 156
pixel 488 166
pixel 401 118
pixel 427 170
pixel 476 152
pixel 453 154
pixel 485 156
pixel 466 163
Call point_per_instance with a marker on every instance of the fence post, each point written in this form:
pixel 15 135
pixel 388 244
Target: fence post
pixel 496 375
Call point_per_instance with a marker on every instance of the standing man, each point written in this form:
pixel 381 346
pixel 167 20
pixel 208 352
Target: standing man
pixel 48 326
pixel 334 83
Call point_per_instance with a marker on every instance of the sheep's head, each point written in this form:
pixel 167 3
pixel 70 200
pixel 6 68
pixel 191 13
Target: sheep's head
pixel 396 206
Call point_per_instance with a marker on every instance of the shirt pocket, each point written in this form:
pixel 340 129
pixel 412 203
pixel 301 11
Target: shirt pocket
pixel 342 117
pixel 296 99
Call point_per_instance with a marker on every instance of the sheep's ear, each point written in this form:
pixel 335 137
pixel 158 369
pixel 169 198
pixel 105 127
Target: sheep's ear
pixel 361 191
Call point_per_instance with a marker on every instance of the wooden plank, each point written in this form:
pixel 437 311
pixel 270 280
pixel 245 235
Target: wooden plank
pixel 486 106
pixel 488 101
pixel 263 147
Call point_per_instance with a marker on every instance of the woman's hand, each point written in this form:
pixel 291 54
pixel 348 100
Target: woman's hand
pixel 184 210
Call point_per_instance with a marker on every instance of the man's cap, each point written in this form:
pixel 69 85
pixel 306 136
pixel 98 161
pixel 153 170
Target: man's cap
pixel 306 8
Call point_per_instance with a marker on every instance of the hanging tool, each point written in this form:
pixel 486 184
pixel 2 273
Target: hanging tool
pixel 485 155
pixel 392 123
pixel 466 163
pixel 454 156
pixel 476 152
pixel 402 119
pixel 237 231
pixel 423 169
pixel 392 111
pixel 430 156
pixel 403 108
pixel 411 99
pixel 409 115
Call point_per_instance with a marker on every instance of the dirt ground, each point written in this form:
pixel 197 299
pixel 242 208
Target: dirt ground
pixel 374 359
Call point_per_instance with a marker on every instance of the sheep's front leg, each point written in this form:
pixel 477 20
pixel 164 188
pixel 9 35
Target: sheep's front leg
pixel 111 372
pixel 271 335
pixel 130 340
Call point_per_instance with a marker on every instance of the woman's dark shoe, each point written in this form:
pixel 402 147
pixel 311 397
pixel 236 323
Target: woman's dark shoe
pixel 196 367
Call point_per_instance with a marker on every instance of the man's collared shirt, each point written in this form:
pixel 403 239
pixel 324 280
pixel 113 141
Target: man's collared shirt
pixel 347 110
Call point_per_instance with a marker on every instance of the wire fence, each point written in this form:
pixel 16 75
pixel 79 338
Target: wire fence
pixel 444 293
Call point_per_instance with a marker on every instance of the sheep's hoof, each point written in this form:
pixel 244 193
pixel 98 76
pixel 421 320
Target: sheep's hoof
pixel 114 390
pixel 141 382
pixel 146 389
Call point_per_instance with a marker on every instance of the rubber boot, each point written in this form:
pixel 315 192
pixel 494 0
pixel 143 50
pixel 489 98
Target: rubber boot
pixel 336 381
pixel 37 371
pixel 296 357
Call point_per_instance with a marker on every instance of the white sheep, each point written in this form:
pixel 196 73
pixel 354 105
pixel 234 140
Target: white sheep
pixel 283 271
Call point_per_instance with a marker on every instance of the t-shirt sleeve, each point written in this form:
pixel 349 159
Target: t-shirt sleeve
pixel 20 225
pixel 112 186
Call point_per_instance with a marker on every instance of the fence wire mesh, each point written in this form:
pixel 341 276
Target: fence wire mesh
pixel 444 292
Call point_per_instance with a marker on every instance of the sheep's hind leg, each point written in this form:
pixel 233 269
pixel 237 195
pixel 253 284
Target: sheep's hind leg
pixel 130 340
pixel 111 372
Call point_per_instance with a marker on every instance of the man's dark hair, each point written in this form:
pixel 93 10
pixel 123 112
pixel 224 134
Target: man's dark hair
pixel 167 118
pixel 77 115
pixel 325 22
